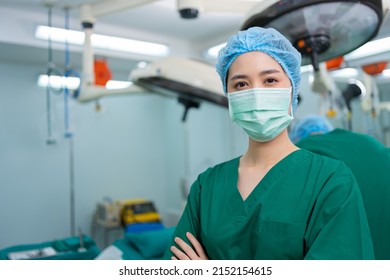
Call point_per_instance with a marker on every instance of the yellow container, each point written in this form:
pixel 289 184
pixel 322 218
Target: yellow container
pixel 138 211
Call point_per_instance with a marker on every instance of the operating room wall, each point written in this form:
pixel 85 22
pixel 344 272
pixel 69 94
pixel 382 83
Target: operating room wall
pixel 115 152
pixel 135 146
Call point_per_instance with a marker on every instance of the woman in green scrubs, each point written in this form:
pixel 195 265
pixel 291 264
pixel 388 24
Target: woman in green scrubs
pixel 276 201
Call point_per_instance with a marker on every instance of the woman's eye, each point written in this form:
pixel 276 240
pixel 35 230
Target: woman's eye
pixel 240 85
pixel 270 81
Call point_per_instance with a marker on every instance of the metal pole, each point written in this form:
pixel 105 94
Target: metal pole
pixel 72 188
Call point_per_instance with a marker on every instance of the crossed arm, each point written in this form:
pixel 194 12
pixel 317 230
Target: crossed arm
pixel 183 251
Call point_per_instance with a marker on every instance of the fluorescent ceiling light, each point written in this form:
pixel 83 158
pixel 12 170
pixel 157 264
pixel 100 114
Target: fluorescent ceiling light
pixel 142 64
pixel 58 82
pixel 101 41
pixel 213 51
pixel 72 83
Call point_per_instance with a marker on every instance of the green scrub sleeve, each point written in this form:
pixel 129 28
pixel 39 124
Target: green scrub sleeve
pixel 338 228
pixel 189 221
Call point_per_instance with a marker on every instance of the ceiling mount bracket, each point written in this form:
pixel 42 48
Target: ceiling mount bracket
pixel 313 45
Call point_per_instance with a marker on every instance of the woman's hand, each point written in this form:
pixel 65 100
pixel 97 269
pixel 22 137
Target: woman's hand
pixel 186 252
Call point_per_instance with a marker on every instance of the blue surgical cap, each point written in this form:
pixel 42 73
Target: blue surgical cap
pixel 309 125
pixel 268 41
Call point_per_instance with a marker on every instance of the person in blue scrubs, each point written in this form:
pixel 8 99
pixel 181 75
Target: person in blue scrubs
pixel 369 161
pixel 276 201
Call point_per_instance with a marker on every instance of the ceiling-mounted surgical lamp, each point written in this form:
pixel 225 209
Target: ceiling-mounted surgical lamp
pixel 192 81
pixel 320 29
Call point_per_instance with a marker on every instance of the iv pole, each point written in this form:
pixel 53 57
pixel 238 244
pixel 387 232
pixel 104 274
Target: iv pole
pixel 68 134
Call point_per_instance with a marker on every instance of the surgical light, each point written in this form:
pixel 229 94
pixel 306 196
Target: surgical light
pixel 371 48
pixel 321 29
pixel 101 41
pixel 58 82
pixel 73 83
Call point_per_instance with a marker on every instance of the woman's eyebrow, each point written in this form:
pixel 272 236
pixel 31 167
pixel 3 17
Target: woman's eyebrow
pixel 262 73
pixel 269 71
pixel 238 76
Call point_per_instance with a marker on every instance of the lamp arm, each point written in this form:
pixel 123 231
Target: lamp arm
pixel 89 91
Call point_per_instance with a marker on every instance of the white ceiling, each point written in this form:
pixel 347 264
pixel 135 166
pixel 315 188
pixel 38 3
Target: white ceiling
pixel 157 21
pixel 159 16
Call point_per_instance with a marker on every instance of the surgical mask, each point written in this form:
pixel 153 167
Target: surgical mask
pixel 261 112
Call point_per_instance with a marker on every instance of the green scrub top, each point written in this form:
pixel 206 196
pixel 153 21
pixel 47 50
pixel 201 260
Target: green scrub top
pixel 369 161
pixel 306 207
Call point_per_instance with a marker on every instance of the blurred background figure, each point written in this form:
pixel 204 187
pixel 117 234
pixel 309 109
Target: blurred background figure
pixel 368 159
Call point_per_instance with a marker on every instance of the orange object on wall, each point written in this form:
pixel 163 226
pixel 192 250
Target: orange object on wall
pixel 375 68
pixel 102 72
